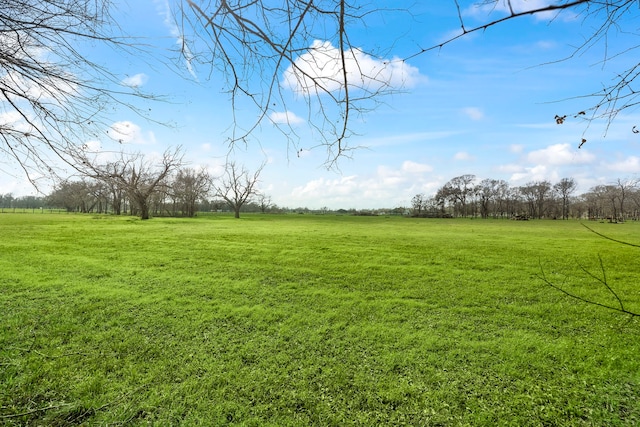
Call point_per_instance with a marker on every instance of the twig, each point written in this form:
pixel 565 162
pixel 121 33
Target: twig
pixel 33 411
pixel 620 309
pixel 603 281
pixel 610 238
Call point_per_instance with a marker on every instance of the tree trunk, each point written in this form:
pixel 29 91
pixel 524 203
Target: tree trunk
pixel 144 211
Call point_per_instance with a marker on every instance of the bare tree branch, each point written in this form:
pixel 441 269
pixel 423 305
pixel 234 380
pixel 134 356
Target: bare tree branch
pixel 611 98
pixel 53 98
pixel 483 27
pixel 610 238
pixel 277 54
pixel 603 280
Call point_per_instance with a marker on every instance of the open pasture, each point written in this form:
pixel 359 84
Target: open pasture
pixel 305 320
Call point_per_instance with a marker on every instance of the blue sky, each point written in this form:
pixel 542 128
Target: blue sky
pixel 482 105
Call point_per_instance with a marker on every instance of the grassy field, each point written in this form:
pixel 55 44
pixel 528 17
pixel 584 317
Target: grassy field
pixel 305 320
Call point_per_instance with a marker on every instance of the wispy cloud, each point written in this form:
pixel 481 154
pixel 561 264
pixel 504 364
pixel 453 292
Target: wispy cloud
pixel 474 113
pixel 407 138
pixel 164 9
pixel 285 117
pixel 136 80
pixel 463 156
pixel 126 132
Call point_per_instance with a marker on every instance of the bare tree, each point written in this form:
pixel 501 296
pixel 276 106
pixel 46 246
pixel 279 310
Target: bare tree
pixel 490 192
pixel 417 204
pixel 74 196
pixel 52 96
pixel 565 187
pixel 458 190
pixel 189 186
pixel 624 188
pixel 264 202
pixel 237 186
pixel 138 176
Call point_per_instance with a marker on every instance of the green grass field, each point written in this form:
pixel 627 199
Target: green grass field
pixel 305 320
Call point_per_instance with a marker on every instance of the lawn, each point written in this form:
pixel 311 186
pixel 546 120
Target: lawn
pixel 301 320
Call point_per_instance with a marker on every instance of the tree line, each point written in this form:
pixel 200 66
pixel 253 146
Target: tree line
pixel 144 187
pixel 186 191
pixel 468 196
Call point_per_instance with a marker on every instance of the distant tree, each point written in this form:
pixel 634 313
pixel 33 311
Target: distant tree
pixel 565 187
pixel 634 197
pixel 624 189
pixel 537 194
pixel 417 204
pixel 264 202
pixel 139 177
pixel 458 191
pixel 73 195
pixel 6 200
pixel 502 198
pixel 113 187
pixel 612 195
pixel 491 194
pixel 236 186
pixel 188 187
pixel 544 195
pixel 29 202
pixel 579 206
pixel 594 201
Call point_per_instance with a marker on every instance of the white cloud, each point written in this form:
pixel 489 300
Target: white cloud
pixel 96 151
pixel 323 188
pixel 415 168
pixel 13 119
pixel 285 117
pixel 509 168
pixel 628 165
pixel 386 187
pixel 473 113
pixel 560 154
pixel 126 132
pixel 55 89
pixel 535 173
pixel 516 148
pixel 136 80
pixel 463 156
pixel 321 69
